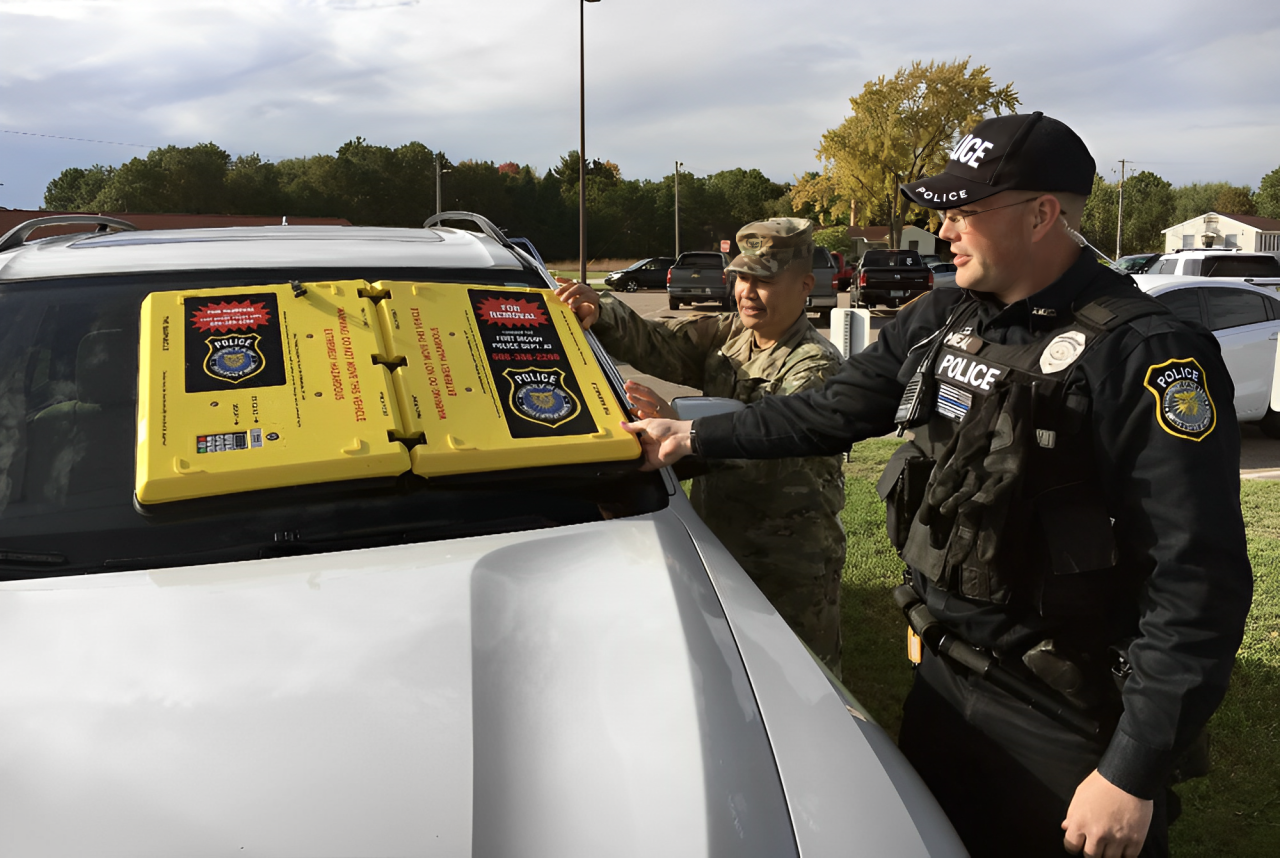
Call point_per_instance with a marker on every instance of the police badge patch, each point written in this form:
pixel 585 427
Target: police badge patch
pixel 540 395
pixel 1184 407
pixel 234 358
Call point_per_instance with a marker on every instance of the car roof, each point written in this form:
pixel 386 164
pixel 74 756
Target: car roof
pixel 257 247
pixel 1156 284
pixel 1214 251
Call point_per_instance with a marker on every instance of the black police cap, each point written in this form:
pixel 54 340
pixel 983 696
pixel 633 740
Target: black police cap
pixel 1023 151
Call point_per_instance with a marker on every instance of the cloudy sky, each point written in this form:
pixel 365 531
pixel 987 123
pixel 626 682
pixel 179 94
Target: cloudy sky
pixel 1187 90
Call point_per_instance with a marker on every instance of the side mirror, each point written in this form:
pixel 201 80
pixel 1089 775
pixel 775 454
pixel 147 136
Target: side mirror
pixel 693 407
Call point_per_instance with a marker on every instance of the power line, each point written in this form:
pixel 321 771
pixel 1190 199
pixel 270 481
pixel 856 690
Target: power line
pixel 77 139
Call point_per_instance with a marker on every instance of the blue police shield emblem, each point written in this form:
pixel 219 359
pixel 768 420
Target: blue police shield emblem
pixel 234 357
pixel 1184 407
pixel 539 395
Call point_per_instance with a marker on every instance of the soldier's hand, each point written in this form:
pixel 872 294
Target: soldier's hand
pixel 1105 821
pixel 581 298
pixel 665 442
pixel 647 403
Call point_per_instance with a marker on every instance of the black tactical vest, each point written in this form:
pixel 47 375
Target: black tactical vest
pixel 997 499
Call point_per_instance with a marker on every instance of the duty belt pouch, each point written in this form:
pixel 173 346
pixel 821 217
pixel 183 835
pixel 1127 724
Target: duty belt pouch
pixel 902 487
pixel 965 531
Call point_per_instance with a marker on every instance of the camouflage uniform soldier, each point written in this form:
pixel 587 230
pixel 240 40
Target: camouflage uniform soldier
pixel 779 518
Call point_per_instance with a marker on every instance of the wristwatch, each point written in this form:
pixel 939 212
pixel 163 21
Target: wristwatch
pixel 693 442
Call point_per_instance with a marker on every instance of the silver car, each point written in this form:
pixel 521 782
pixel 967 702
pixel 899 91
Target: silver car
pixel 544 661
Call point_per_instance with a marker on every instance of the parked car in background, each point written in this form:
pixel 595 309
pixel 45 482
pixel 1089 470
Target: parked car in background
pixel 1136 263
pixel 648 273
pixel 1245 318
pixel 1259 267
pixel 891 278
pixel 525 658
pixel 699 277
pixel 822 299
pixel 944 274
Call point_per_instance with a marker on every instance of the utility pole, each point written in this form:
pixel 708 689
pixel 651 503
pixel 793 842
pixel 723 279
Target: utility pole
pixel 437 183
pixel 582 139
pixel 678 166
pixel 1120 209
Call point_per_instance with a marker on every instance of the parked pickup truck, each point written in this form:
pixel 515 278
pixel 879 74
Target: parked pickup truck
pixel 822 300
pixel 648 273
pixel 890 277
pixel 698 277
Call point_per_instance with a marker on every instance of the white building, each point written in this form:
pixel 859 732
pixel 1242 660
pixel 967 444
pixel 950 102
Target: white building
pixel 1247 232
pixel 913 238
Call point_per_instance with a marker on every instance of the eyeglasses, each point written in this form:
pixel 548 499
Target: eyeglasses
pixel 959 218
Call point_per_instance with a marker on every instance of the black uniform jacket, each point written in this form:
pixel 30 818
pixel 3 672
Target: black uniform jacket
pixel 1173 493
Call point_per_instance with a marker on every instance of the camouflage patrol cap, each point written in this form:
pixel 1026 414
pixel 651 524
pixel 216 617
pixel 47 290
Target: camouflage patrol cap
pixel 766 247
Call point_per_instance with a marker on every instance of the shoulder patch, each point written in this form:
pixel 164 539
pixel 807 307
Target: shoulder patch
pixel 1184 407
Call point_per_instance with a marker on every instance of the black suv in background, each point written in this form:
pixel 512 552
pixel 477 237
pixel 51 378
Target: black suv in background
pixel 648 273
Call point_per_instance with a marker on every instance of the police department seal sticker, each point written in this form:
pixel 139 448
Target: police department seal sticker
pixel 234 357
pixel 539 395
pixel 1062 351
pixel 1184 407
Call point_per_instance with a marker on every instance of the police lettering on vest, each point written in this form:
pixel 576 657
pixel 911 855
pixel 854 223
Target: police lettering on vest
pixel 968 371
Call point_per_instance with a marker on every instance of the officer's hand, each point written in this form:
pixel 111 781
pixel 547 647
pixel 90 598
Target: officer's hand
pixel 581 298
pixel 1105 821
pixel 665 442
pixel 647 403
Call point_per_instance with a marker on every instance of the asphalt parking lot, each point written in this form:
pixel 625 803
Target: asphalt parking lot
pixel 1259 455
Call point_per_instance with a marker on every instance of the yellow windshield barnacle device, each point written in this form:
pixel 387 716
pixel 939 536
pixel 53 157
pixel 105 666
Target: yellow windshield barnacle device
pixel 497 377
pixel 263 387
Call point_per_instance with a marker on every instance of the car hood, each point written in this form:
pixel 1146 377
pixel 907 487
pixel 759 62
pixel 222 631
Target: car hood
pixel 564 692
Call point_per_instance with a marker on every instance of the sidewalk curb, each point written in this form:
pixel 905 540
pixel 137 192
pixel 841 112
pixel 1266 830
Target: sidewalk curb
pixel 1261 474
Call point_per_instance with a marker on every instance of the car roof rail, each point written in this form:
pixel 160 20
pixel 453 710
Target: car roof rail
pixel 18 235
pixel 486 225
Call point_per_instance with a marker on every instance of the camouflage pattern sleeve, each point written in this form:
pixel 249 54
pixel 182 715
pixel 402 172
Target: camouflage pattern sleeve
pixel 674 349
pixel 809 373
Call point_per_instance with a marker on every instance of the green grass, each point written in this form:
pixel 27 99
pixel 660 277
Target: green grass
pixel 1235 810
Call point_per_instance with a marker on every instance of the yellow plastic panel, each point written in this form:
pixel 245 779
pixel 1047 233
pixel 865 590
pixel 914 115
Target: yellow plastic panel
pixel 497 378
pixel 258 387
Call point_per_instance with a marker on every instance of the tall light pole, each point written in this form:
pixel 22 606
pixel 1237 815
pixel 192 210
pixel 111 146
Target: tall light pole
pixel 1120 208
pixel 678 166
pixel 438 172
pixel 582 138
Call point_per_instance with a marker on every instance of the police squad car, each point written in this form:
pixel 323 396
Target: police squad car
pixel 326 541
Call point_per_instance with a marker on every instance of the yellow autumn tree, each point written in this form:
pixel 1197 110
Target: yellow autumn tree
pixel 902 128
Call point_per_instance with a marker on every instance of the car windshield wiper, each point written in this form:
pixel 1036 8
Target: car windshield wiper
pixel 32 558
pixel 291 543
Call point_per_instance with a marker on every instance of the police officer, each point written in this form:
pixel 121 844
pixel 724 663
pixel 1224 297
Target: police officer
pixel 1068 510
pixel 780 518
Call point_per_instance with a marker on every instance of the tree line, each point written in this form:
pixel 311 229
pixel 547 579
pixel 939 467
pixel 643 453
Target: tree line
pixel 1152 204
pixel 383 186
